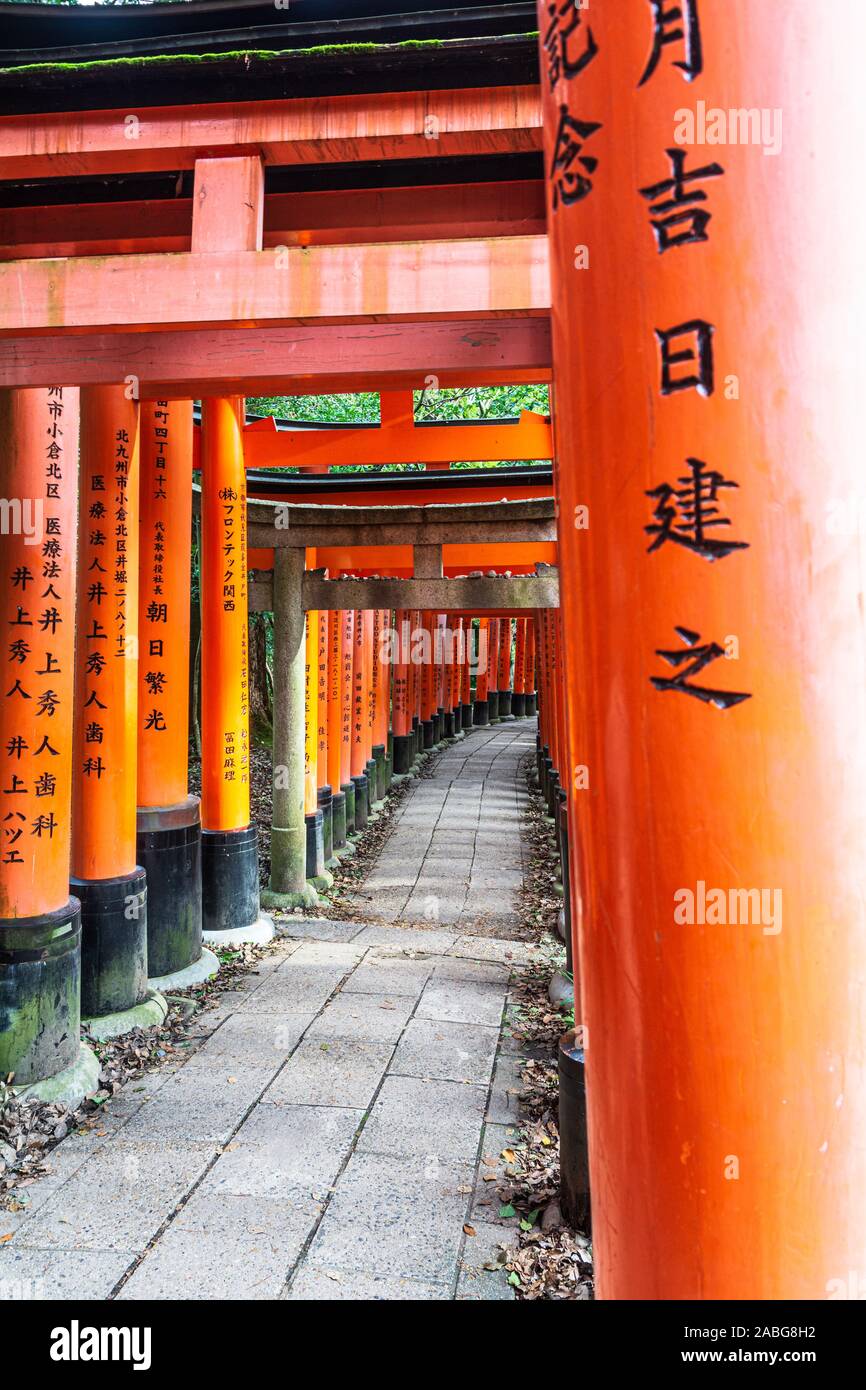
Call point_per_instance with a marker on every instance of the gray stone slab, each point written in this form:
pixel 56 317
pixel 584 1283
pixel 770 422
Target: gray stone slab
pixel 477 1282
pixel 363 1017
pixel 202 1102
pixel 504 1107
pixel 338 1072
pixel 27 1275
pixel 395 1217
pixel 296 989
pixel 285 1150
pixel 458 1001
pixel 225 1247
pixel 433 1118
pixel 383 973
pixel 495 949
pixel 420 938
pixel 446 1051
pixel 316 929
pixel 329 1285
pixel 471 971
pixel 250 1039
pixel 336 953
pixel 486 1202
pixel 119 1199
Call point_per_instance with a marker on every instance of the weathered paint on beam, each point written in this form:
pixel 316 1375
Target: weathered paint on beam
pixel 298 525
pixel 286 361
pixel 320 130
pixel 498 595
pixel 319 217
pixel 381 281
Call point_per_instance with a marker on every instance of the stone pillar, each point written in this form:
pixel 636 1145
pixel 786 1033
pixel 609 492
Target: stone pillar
pixel 288 886
pixel 716 705
pixel 40 924
pixel 168 819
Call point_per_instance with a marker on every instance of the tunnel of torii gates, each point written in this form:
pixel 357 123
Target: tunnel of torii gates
pixel 698 313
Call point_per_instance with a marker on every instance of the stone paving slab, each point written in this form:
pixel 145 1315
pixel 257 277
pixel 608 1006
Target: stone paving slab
pixel 332 1284
pixel 477 1281
pixel 462 1001
pixel 71 1274
pixel 225 1246
pixel 363 1017
pixel 383 973
pixel 431 1118
pixel 395 1217
pixel 446 1051
pixel 284 1150
pixel 343 1072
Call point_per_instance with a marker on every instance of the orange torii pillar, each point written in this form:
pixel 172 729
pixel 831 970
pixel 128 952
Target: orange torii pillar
pixel 387 665
pixel 493 628
pixel 359 725
pixel 105 877
pixel 466 675
pixel 545 702
pixel 714 575
pixel 370 767
pixel 169 819
pixel 459 638
pixel 481 708
pixel 505 638
pixel 228 210
pixel 324 791
pixel 415 682
pixel 518 701
pixel 347 701
pixel 529 667
pixel 335 730
pixel 429 715
pixel 402 739
pixel 447 632
pixel 380 693
pixel 317 873
pixel 230 862
pixel 40 924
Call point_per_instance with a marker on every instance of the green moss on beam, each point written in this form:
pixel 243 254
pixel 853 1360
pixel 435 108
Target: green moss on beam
pixel 263 55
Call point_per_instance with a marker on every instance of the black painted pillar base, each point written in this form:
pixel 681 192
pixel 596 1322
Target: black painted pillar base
pixel 230 880
pixel 325 800
pixel 493 705
pixel 505 710
pixel 518 704
pixel 448 727
pixel 389 761
pixel 466 716
pixel 481 712
pixel 338 820
pixel 402 754
pixel 348 790
pixel 362 801
pixel 381 771
pixel 574 1147
pixel 436 723
pixel 315 845
pixel 40 990
pixel 552 792
pixel 531 705
pixel 416 736
pixel 168 846
pixel 566 876
pixel 113 942
pixel 427 732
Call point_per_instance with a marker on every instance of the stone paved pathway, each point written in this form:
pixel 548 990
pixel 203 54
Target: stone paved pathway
pixel 330 1133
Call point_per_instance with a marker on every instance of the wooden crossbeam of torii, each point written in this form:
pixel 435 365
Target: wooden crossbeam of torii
pixel 309 130
pixel 331 284
pixel 397 440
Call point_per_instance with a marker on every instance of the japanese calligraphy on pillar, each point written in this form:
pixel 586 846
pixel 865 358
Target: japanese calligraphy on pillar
pixel 570 46
pixel 39 484
pixel 689 512
pixel 233 541
pixel 156 616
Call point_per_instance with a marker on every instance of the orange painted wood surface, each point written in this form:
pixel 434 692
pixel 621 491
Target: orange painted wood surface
pixel 320 130
pixel 332 284
pixel 39 472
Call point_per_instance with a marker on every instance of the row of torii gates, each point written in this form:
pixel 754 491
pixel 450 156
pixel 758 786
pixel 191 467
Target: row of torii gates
pixel 689 308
